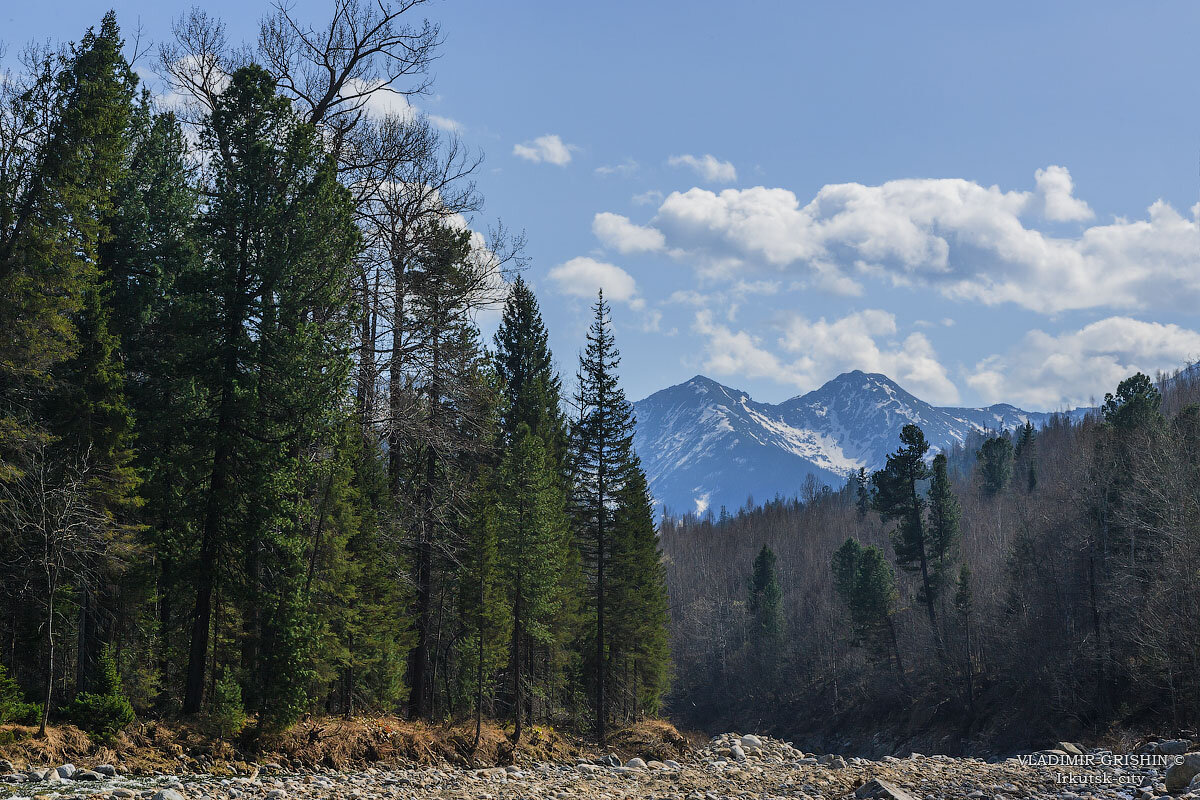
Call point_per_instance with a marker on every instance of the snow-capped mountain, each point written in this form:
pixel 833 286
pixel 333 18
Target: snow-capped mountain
pixel 705 445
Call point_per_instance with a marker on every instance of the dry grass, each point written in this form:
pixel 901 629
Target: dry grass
pixel 331 743
pixel 653 739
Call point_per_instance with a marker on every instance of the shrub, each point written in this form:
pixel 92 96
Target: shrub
pixel 13 707
pixel 226 717
pixel 106 712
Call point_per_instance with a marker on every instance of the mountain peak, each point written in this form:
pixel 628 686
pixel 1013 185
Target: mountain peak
pixel 704 444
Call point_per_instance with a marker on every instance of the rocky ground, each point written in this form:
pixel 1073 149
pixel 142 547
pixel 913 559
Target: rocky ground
pixel 729 766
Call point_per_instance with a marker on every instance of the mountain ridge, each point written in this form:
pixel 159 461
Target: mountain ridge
pixel 705 444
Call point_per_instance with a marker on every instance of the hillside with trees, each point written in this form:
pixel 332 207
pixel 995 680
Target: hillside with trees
pixel 255 455
pixel 1009 591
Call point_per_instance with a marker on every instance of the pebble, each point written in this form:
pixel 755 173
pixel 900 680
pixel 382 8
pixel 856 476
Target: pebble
pixel 729 767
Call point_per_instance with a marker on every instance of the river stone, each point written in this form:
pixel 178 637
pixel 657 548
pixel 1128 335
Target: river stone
pixel 882 790
pixel 750 740
pixel 1180 775
pixel 1172 747
pixel 167 794
pixel 87 775
pixel 65 771
pixel 107 770
pixel 737 752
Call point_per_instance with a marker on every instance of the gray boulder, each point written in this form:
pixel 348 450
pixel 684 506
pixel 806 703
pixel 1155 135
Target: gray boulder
pixel 636 763
pixel 87 775
pixel 1172 747
pixel 65 771
pixel 1180 775
pixel 107 770
pixel 879 789
pixel 167 794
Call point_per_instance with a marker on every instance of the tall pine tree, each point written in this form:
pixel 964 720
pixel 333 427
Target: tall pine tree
pixel 601 448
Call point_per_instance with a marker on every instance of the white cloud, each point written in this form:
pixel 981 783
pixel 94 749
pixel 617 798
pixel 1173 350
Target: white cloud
pixel 707 166
pixel 617 232
pixel 826 348
pixel 1055 372
pixel 1057 191
pixel 647 198
pixel 862 340
pixel 583 277
pixel 626 168
pixel 382 101
pixel 964 240
pixel 549 149
pixel 729 352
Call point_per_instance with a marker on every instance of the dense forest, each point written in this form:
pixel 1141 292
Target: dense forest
pixel 256 460
pixel 1023 586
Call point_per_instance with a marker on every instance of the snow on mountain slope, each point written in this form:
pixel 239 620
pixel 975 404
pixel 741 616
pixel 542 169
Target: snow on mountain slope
pixel 705 445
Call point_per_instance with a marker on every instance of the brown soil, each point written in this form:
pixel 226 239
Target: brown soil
pixel 653 739
pixel 328 743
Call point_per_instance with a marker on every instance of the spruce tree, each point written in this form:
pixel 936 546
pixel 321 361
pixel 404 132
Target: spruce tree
pixel 945 516
pixel 862 492
pixel 525 367
pixel 638 654
pixel 532 549
pixel 865 582
pixel 766 609
pixel 483 602
pixel 601 447
pixel 995 459
pixel 1026 455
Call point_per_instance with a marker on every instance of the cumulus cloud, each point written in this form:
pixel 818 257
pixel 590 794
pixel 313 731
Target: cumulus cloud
pixel 1059 203
pixel 617 232
pixel 853 342
pixel 815 351
pixel 583 277
pixel 707 166
pixel 964 240
pixel 382 101
pixel 729 352
pixel 1066 370
pixel 550 149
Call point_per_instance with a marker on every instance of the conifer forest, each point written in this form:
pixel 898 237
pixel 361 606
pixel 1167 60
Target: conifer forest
pixel 255 456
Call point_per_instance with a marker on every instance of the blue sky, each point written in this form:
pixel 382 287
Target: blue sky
pixel 986 205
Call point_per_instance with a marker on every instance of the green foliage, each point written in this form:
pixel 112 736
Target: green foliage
pixel 107 711
pixel 995 459
pixel 945 516
pixel 226 715
pixel 1026 455
pixel 601 451
pixel 638 649
pixel 13 706
pixel 768 631
pixel 866 584
pixel 1137 404
pixel 862 492
pixel 898 498
pixel 525 368
pixel 964 595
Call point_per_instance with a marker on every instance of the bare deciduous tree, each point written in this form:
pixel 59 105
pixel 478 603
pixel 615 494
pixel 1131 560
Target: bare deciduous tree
pixel 59 534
